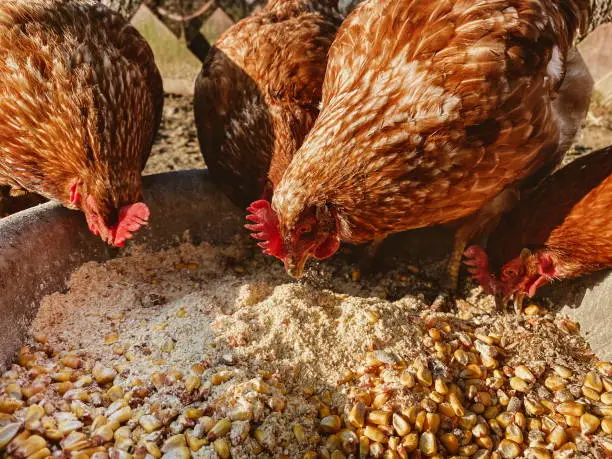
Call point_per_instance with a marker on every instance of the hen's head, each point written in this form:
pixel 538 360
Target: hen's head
pixel 526 273
pixel 315 233
pixel 520 276
pixel 114 220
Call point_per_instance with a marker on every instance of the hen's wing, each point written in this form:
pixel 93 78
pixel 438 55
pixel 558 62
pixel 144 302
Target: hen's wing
pixel 234 126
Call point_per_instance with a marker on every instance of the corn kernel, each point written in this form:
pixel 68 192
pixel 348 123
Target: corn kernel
pixel 589 423
pixel 375 434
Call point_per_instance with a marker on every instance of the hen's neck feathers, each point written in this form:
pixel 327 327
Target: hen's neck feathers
pixel 271 87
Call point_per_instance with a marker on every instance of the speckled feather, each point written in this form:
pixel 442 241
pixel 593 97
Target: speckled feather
pixel 568 216
pixel 430 110
pixel 80 98
pixel 259 92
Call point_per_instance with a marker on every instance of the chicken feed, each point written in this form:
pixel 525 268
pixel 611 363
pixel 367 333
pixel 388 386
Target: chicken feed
pixel 208 352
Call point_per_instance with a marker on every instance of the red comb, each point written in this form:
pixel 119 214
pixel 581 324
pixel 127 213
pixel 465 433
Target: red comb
pixel 477 261
pixel 131 218
pixel 265 228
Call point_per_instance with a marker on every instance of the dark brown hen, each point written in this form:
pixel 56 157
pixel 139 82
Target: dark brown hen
pixel 80 103
pixel 259 91
pixel 561 230
pixel 433 112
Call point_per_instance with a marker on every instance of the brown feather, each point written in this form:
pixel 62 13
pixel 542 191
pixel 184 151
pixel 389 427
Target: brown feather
pixel 423 124
pixel 568 216
pixel 259 91
pixel 80 99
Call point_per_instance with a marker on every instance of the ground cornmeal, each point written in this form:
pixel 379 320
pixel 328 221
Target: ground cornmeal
pixel 212 352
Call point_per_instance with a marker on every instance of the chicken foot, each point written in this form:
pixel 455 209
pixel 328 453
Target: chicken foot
pixel 463 235
pixel 478 225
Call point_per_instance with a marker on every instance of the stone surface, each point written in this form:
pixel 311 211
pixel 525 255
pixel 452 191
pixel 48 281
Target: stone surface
pixel 594 315
pixel 597 52
pixel 589 301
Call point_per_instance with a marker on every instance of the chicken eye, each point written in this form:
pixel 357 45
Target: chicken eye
pixel 510 272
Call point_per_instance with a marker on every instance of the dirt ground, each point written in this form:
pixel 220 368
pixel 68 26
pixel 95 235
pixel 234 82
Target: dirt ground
pixel 176 147
pixel 596 132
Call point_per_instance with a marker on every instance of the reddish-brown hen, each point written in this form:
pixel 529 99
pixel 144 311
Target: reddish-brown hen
pixel 561 230
pixel 80 103
pixel 259 92
pixel 432 112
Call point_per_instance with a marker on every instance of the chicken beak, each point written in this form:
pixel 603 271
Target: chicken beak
pixel 295 265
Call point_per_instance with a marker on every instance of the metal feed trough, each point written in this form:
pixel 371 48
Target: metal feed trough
pixel 42 246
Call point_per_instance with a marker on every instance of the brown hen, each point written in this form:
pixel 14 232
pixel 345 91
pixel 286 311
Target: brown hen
pixel 259 92
pixel 80 103
pixel 562 230
pixel 433 112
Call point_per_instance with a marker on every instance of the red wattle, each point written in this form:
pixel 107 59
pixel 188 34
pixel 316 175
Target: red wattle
pixel 327 248
pixel 75 196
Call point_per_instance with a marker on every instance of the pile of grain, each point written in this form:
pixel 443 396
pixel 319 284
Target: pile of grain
pixel 207 352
